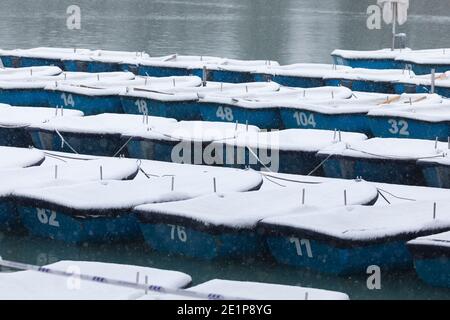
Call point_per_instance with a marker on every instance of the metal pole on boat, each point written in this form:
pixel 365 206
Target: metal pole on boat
pixel 101 172
pixel 345 197
pixel 340 137
pixel 56 171
pixel 433 80
pixel 172 187
pixel 214 184
pixel 204 76
pixel 394 24
pixel 246 125
pixel 137 277
pixel 303 196
pixel 173 80
pixel 334 136
pixel 436 143
pixel 306 295
pixel 434 211
pixel 448 143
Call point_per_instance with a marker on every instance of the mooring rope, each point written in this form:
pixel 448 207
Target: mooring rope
pixel 120 283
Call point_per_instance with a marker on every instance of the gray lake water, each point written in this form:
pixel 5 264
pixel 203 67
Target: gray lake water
pixel 286 30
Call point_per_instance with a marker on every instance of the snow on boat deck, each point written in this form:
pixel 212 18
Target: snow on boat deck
pixel 11 157
pixel 439 240
pixel 310 140
pixel 371 224
pixel 388 148
pixel 256 291
pixel 13 117
pixel 73 172
pixel 30 285
pixel 106 123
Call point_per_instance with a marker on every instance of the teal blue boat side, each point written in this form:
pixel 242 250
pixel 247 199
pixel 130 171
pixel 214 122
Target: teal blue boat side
pixel 436 175
pixel 9 217
pixel 89 105
pixel 56 224
pixel 325 257
pixel 398 127
pixel 24 97
pixel 263 118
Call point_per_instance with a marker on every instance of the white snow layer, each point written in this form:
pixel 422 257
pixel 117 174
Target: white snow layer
pixel 11 157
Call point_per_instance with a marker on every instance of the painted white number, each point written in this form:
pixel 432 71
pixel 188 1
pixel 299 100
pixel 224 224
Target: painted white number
pixel 181 233
pixel 47 217
pixel 224 113
pixel 142 106
pixel 298 246
pixel 398 127
pixel 304 120
pixel 68 100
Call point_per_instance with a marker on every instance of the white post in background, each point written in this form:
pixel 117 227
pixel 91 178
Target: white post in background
pixel 394 24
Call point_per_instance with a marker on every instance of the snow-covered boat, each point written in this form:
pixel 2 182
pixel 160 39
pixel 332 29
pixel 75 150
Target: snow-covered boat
pixel 423 117
pixel 194 142
pixel 422 61
pixel 263 109
pixel 96 135
pixel 255 291
pixel 182 103
pixel 61 173
pixel 104 61
pixel 33 285
pixel 11 157
pixel 370 59
pixel 176 65
pixel 368 80
pixel 423 84
pixel 348 114
pixel 350 239
pixel 436 170
pixel 219 226
pixel 432 258
pixel 94 97
pixel 235 71
pixel 30 91
pixel 304 75
pixel 27 73
pixel 288 151
pixel 390 160
pixel 41 56
pixel 15 120
pixel 100 211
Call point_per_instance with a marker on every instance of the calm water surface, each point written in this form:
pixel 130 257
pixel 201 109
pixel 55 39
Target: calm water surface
pixel 287 30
